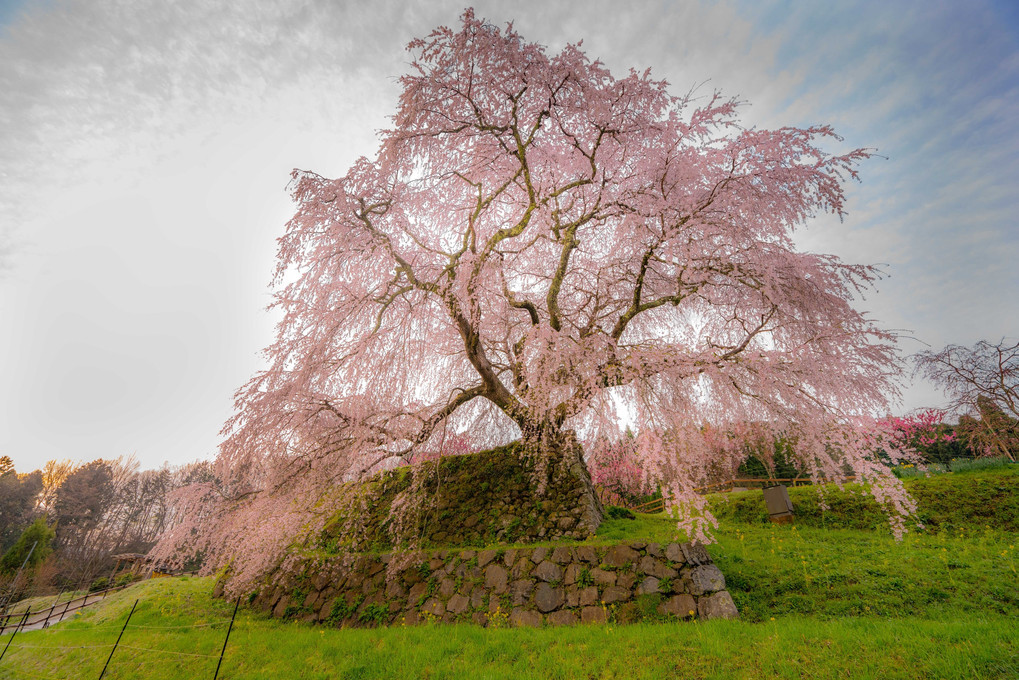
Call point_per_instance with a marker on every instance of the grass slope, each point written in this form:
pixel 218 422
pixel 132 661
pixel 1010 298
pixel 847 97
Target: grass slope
pixel 816 602
pixel 945 503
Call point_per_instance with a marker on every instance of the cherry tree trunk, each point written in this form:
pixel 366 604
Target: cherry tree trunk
pixel 559 468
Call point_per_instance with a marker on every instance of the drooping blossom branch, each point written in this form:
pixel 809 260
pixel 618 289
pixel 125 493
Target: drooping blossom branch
pixel 539 248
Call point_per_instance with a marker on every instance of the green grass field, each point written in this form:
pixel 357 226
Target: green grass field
pixel 818 600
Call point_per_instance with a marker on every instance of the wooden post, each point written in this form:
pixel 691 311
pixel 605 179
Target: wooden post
pixel 118 639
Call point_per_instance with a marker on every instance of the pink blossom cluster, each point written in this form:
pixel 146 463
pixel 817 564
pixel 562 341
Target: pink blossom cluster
pixel 616 467
pixel 921 428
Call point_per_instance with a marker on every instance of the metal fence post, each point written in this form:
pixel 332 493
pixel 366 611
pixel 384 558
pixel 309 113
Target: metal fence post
pixel 118 639
pixel 14 583
pixel 66 606
pixel 46 622
pixel 23 619
pixel 229 628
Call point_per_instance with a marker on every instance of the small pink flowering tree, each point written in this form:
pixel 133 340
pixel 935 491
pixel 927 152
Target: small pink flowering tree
pixel 538 248
pixel 615 467
pixel 923 432
pixel 917 430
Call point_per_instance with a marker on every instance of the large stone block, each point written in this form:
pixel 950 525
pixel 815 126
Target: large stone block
pixel 652 567
pixel 647 586
pixel 457 604
pixel 547 598
pixel 548 571
pixel 561 555
pixel 394 591
pixel 706 578
pixel 695 553
pixel 433 606
pixel 508 557
pixel 320 580
pixel 619 556
pixel 603 578
pixel 586 553
pixel 614 594
pixel 417 591
pixel 717 606
pixel 570 573
pixel 521 591
pixel 674 553
pixel 478 597
pixel 486 556
pixel 522 567
pixel 683 606
pixel 496 578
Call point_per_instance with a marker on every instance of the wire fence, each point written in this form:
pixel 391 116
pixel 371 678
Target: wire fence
pixel 121 643
pixel 41 618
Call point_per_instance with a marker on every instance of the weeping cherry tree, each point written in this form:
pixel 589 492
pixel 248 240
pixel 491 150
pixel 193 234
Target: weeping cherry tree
pixel 544 251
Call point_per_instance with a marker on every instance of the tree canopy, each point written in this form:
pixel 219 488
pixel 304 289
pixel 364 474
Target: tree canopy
pixel 543 250
pixel 981 381
pixel 31 548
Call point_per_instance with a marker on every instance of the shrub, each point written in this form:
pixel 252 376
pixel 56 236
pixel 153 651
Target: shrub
pixel 910 471
pixel 125 578
pixel 978 464
pixel 616 512
pixel 374 614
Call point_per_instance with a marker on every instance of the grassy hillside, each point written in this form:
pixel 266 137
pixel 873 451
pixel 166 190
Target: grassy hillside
pixel 816 602
pixel 790 646
pixel 957 502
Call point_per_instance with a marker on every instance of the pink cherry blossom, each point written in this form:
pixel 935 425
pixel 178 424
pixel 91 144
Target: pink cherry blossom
pixel 544 250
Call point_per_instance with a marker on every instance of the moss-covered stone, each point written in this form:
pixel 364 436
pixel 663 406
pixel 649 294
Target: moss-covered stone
pixel 471 500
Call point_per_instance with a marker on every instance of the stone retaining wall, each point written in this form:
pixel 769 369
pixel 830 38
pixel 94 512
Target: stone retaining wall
pixel 560 585
pixel 474 499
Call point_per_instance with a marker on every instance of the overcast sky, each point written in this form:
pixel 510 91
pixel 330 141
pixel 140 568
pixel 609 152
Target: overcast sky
pixel 145 149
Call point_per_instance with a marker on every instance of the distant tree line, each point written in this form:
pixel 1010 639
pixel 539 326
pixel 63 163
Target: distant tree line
pixel 60 526
pixel 748 452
